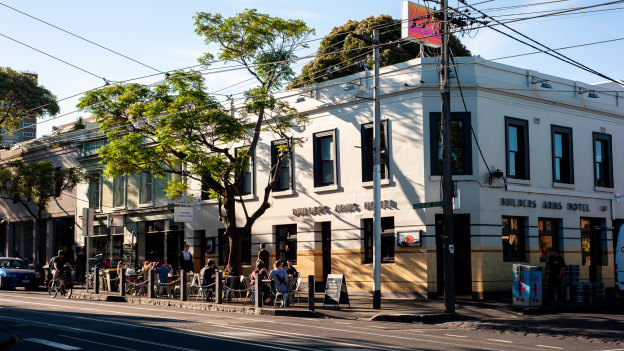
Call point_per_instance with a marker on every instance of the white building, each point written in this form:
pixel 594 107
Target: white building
pixel 556 146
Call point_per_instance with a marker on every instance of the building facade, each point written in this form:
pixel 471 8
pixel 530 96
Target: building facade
pixel 535 166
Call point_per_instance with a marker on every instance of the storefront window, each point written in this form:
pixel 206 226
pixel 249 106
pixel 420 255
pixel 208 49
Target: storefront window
pixel 387 240
pixel 548 229
pixel 513 237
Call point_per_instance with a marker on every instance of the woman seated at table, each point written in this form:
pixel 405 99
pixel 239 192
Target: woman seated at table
pixel 291 270
pixel 264 275
pixel 280 278
pixel 129 272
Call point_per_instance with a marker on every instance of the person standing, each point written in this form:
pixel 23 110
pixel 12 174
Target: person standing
pixel 556 266
pixel 263 255
pixel 186 260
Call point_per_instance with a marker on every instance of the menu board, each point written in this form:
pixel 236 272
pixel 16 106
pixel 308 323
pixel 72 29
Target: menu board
pixel 336 290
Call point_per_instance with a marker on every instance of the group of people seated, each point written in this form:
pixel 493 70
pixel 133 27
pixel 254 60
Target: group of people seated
pixel 280 276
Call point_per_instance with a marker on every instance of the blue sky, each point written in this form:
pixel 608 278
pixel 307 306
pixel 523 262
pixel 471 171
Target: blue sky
pixel 161 34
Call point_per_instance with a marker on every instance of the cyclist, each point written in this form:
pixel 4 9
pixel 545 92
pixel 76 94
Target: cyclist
pixel 58 264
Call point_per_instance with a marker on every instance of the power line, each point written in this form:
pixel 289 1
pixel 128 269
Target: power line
pixel 54 57
pixel 80 37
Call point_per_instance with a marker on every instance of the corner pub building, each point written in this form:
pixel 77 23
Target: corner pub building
pixel 550 175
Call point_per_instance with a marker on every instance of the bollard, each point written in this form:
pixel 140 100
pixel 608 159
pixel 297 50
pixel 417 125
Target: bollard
pixel 122 282
pixel 258 290
pixel 218 287
pixel 182 285
pixel 150 284
pixel 96 280
pixel 311 292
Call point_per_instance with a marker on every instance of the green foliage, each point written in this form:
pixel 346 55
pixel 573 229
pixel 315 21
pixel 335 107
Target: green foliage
pixel 36 183
pixel 79 124
pixel 341 54
pixel 20 95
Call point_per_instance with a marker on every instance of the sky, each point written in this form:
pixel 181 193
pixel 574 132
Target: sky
pixel 161 34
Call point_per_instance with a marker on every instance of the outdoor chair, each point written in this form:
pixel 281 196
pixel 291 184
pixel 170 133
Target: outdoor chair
pixel 286 296
pixel 231 284
pixel 300 290
pixel 246 285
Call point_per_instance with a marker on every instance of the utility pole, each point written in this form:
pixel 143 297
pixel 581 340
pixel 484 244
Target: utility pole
pixel 377 167
pixel 447 176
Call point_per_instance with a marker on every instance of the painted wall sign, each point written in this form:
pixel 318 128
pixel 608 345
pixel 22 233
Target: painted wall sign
pixel 311 211
pixel 385 205
pixel 114 220
pixel 551 205
pixel 579 207
pixel 518 203
pixel 340 208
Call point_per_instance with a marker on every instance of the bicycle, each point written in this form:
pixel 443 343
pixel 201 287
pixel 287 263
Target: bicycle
pixel 89 281
pixel 62 285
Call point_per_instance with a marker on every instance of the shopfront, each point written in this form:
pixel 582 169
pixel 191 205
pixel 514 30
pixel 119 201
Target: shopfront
pixel 160 241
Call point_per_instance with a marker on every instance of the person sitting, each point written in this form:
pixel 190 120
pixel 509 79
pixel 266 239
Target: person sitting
pixel 280 278
pixel 229 271
pixel 208 275
pixel 163 272
pixel 291 270
pixel 261 270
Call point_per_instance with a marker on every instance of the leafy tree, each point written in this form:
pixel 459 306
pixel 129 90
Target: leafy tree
pixel 340 53
pixel 34 185
pixel 79 124
pixel 20 95
pixel 178 123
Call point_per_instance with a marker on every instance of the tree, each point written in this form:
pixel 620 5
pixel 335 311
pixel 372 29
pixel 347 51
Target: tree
pixel 34 185
pixel 79 124
pixel 178 123
pixel 21 96
pixel 340 53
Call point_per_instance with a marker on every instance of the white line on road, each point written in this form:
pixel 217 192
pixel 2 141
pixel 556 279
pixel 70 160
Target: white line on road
pixel 52 344
pixel 455 336
pixel 54 326
pixel 550 347
pixel 613 350
pixel 499 340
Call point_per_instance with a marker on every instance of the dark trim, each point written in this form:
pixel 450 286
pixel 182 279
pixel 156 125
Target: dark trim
pixel 517 122
pixel 434 136
pixel 570 154
pixel 607 138
pixel 367 150
pixel 316 166
pixel 274 144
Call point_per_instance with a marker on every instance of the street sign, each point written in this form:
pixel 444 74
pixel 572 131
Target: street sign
pixel 115 221
pixel 427 205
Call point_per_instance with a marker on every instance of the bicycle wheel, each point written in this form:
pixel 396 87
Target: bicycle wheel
pixel 52 288
pixel 68 289
pixel 89 282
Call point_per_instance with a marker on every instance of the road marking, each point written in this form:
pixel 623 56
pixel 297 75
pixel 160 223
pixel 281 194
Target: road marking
pixel 52 344
pixel 550 347
pixel 95 342
pixel 54 326
pixel 613 350
pixel 498 340
pixel 455 336
pixel 345 323
pixel 67 304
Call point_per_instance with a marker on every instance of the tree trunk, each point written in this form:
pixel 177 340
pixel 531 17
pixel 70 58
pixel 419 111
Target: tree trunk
pixel 235 236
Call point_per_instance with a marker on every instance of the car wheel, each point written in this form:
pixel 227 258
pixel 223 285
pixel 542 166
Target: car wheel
pixel 1 283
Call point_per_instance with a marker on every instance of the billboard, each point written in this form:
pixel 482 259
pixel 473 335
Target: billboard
pixel 416 25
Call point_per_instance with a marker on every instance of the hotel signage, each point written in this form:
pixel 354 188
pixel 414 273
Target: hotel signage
pixel 551 205
pixel 341 208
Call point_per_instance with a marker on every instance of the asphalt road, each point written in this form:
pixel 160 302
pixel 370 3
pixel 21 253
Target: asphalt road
pixel 44 323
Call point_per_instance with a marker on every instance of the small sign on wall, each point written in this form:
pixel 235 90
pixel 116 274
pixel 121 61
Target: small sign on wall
pixel 183 214
pixel 115 221
pixel 409 238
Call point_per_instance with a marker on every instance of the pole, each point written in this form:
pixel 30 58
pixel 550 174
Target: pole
pixel 376 184
pixel 447 181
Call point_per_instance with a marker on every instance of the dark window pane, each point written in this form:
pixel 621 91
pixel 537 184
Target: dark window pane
pixel 513 237
pixel 286 242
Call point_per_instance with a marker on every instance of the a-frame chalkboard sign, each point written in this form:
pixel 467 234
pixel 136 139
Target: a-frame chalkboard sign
pixel 336 291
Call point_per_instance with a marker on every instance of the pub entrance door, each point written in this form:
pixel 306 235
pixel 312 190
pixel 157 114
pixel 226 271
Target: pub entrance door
pixel 463 273
pixel 326 248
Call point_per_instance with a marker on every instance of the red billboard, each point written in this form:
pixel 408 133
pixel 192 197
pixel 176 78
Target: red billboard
pixel 419 24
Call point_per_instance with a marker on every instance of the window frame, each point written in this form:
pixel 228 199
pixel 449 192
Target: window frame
pixel 143 182
pixel 608 183
pixel 387 235
pixel 555 234
pixel 276 185
pixel 318 164
pixel 434 137
pixel 520 233
pixel 523 123
pixel 555 129
pixel 281 254
pixel 115 186
pixel 95 192
pixel 251 171
pixel 385 152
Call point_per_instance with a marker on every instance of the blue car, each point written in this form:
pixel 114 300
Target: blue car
pixel 17 272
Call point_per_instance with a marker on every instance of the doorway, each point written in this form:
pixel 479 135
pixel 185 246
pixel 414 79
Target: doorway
pixel 591 246
pixel 461 243
pixel 326 249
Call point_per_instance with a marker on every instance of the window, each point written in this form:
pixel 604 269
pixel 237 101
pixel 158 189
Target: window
pixel 29 134
pixel 387 240
pixel 94 189
pixel 593 245
pixel 245 183
pixel 58 181
pixel 603 160
pixel 563 167
pixel 324 158
pixel 204 187
pixel 284 178
pixel 513 239
pixel 146 186
pixel 368 151
pixel 119 190
pixel 286 242
pixel 517 148
pixel 461 143
pixel 548 229
pixel 224 249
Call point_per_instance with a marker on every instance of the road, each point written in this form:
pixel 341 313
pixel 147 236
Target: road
pixel 44 323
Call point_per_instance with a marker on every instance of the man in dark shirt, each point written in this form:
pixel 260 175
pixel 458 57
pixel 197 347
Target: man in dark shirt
pixel 556 267
pixel 208 275
pixel 58 263
pixel 263 255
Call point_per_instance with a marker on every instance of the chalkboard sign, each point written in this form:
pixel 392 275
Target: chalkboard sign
pixel 336 290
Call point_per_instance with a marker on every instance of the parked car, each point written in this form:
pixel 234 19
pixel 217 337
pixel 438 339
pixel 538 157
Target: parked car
pixel 17 272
